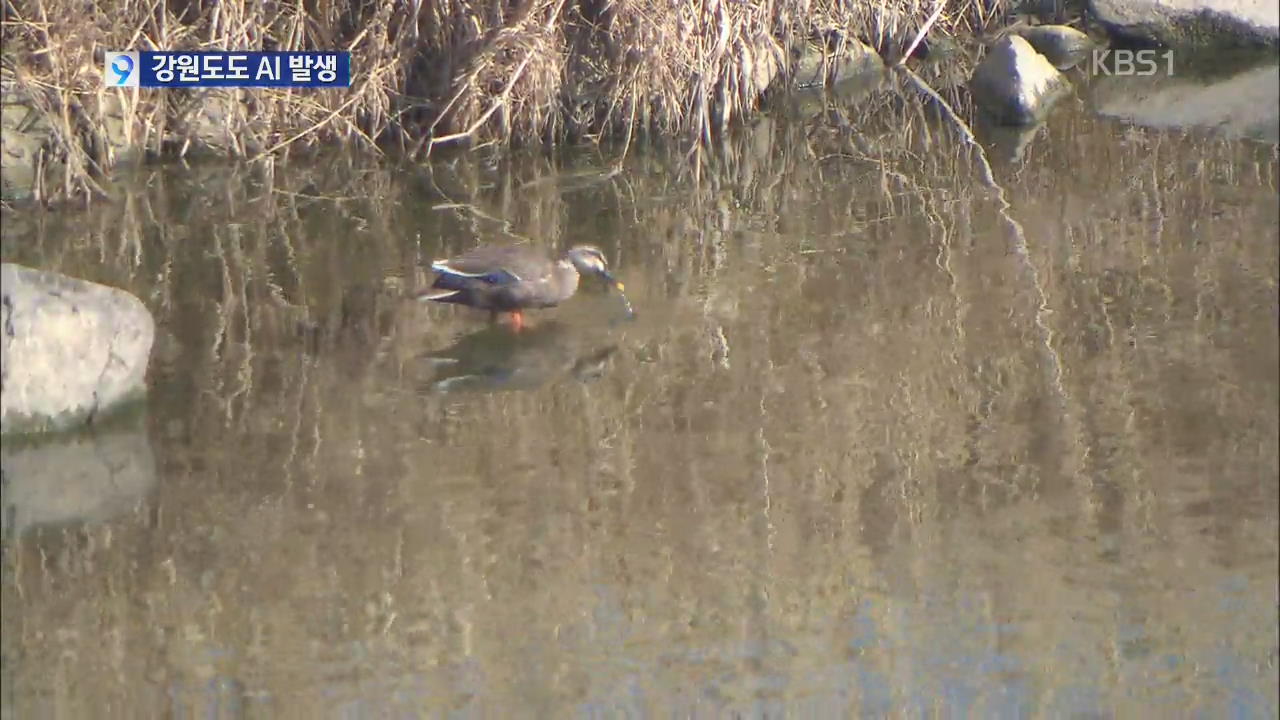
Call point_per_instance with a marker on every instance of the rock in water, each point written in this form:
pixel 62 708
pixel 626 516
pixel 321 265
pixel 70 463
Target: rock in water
pixel 1015 84
pixel 1246 104
pixel 72 350
pixel 1192 22
pixel 1061 45
pixel 812 68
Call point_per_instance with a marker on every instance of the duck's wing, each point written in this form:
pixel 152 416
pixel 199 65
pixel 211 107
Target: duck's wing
pixel 493 264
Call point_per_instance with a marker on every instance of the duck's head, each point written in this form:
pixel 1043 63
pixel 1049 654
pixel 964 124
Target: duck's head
pixel 589 260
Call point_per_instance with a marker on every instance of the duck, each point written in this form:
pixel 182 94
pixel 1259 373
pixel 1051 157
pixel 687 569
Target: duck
pixel 509 279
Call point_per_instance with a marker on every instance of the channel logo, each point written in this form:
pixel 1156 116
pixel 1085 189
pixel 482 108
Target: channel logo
pixel 121 69
pixel 227 68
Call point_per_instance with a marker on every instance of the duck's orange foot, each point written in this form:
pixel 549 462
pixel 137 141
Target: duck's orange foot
pixel 516 318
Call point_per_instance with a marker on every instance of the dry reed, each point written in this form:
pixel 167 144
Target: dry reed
pixel 428 75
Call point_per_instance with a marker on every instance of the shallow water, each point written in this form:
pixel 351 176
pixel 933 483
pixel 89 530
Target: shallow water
pixel 871 446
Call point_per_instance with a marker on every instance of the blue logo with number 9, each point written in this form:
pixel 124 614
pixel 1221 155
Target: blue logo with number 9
pixel 122 66
pixel 120 69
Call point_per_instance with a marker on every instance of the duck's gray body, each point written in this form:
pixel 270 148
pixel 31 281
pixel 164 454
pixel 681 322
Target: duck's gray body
pixel 504 279
pixel 513 278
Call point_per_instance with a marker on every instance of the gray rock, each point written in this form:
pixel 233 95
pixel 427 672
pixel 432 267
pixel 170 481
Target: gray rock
pixel 80 477
pixel 1061 45
pixel 72 350
pixel 118 118
pixel 1246 104
pixel 26 131
pixel 844 77
pixel 763 64
pixel 1192 22
pixel 846 61
pixel 1015 84
pixel 28 163
pixel 1049 11
pixel 30 159
pixel 213 124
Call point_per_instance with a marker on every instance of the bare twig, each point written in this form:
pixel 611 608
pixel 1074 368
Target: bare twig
pixel 499 102
pixel 924 29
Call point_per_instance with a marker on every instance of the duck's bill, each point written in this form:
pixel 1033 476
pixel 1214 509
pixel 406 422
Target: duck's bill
pixel 617 285
pixel 613 281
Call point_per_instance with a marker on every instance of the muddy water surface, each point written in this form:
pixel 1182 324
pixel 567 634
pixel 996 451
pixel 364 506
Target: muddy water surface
pixel 872 445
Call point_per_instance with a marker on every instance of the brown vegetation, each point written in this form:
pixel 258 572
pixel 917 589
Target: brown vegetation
pixel 430 74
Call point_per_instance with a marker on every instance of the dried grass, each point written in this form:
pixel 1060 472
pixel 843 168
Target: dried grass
pixel 428 75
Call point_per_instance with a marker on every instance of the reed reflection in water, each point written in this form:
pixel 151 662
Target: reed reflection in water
pixel 859 453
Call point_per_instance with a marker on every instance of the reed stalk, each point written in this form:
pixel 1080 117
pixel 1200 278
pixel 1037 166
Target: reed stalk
pixel 427 75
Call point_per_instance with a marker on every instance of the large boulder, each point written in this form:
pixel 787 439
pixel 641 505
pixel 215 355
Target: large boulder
pixel 72 350
pixel 1014 84
pixel 1246 104
pixel 1192 22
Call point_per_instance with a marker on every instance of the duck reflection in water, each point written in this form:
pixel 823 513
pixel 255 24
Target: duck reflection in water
pixel 494 359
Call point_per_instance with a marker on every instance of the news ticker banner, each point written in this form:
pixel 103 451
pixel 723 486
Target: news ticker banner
pixel 196 69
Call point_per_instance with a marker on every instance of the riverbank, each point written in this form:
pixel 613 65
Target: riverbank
pixel 450 75
pixel 454 73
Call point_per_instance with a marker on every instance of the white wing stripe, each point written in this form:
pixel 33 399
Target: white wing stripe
pixel 445 267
